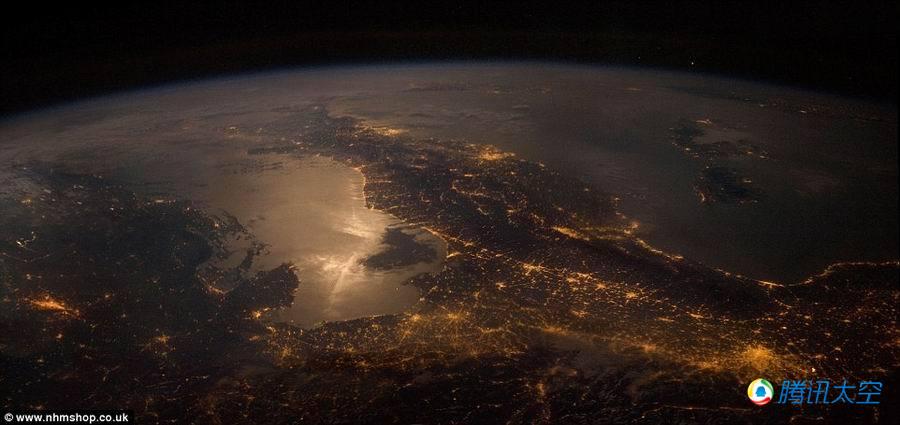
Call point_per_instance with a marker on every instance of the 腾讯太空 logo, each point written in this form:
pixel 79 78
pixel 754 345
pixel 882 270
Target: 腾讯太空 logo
pixel 760 392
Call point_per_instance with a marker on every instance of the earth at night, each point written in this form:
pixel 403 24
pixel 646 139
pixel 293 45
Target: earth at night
pixel 449 243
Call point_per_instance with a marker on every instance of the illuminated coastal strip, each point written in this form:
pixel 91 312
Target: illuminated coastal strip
pixel 835 266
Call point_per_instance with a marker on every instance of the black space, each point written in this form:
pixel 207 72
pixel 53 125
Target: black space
pixel 53 53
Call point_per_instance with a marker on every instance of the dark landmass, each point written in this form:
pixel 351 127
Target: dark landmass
pixel 548 309
pixel 401 250
pixel 108 301
pixel 723 184
pixel 718 182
